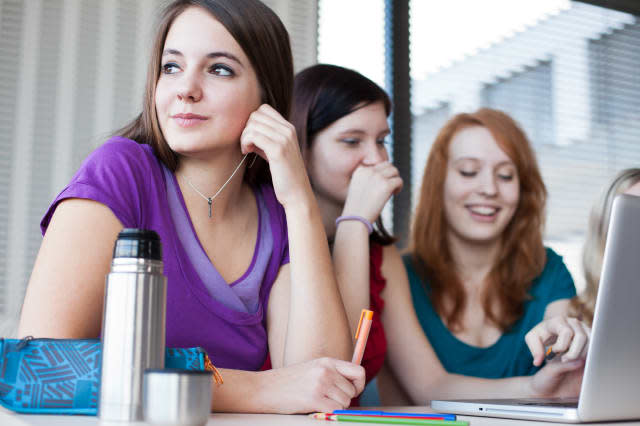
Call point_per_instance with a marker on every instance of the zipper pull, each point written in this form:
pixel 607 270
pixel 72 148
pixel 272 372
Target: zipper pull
pixel 24 342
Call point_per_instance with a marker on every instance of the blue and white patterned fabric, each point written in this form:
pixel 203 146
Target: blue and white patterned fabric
pixel 62 376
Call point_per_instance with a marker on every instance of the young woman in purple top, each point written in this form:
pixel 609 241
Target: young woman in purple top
pixel 211 165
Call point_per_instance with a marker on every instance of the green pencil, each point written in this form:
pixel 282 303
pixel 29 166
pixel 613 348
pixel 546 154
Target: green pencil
pixel 396 421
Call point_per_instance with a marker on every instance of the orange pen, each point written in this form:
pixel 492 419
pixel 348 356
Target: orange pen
pixel 362 334
pixel 550 354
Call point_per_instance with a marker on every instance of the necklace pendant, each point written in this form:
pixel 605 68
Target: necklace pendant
pixel 210 199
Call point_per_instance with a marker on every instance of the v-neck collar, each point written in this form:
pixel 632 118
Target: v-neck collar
pixel 230 295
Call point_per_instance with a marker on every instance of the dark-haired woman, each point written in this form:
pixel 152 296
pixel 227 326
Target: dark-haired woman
pixel 341 121
pixel 244 250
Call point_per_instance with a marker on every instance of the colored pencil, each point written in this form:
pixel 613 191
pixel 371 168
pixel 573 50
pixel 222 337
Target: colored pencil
pixel 388 420
pixel 434 416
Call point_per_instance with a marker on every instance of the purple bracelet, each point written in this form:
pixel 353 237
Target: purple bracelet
pixel 359 219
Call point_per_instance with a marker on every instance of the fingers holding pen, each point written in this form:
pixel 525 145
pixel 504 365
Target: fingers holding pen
pixel 535 339
pixel 572 340
pixel 578 346
pixel 323 384
pixel 564 331
pixel 339 381
pixel 567 336
pixel 354 373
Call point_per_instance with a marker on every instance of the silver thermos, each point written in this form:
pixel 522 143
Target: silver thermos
pixel 133 325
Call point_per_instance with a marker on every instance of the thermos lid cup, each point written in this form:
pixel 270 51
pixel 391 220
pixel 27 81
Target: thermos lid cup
pixel 177 397
pixel 138 243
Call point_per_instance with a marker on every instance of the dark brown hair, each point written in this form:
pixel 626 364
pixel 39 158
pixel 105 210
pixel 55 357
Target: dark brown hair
pixel 264 40
pixel 522 254
pixel 322 94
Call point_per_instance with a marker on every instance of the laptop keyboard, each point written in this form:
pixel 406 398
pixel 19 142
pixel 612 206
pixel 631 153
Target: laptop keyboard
pixel 564 404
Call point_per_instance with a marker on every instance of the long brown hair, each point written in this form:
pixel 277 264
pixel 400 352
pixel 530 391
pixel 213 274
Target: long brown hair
pixel 522 255
pixel 322 95
pixel 264 40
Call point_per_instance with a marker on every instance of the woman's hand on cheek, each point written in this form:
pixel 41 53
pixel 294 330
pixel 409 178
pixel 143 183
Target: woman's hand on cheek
pixel 320 385
pixel 370 189
pixel 270 136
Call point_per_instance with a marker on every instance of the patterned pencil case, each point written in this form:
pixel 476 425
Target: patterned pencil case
pixel 62 376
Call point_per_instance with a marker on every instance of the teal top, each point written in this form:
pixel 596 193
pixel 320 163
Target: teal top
pixel 507 357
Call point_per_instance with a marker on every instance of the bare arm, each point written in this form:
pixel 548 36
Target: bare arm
pixel 412 358
pixel 65 294
pixel 351 260
pixel 370 189
pixel 316 324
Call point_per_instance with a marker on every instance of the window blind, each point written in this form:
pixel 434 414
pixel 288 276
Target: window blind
pixel 571 81
pixel 301 20
pixel 82 78
pixel 10 24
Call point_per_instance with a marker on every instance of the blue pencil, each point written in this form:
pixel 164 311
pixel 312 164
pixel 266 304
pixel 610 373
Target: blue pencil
pixel 392 414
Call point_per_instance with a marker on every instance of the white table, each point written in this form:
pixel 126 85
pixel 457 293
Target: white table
pixel 8 418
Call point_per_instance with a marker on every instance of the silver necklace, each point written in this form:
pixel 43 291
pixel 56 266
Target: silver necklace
pixel 210 199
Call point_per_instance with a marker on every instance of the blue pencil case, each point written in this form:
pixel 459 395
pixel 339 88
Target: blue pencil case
pixel 62 376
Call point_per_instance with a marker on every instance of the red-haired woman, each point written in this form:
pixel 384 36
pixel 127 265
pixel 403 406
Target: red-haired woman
pixel 488 295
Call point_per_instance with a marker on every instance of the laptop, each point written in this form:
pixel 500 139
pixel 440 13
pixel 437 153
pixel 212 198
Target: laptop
pixel 611 382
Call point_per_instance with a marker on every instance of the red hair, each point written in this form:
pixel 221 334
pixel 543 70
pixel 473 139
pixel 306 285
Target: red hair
pixel 521 257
